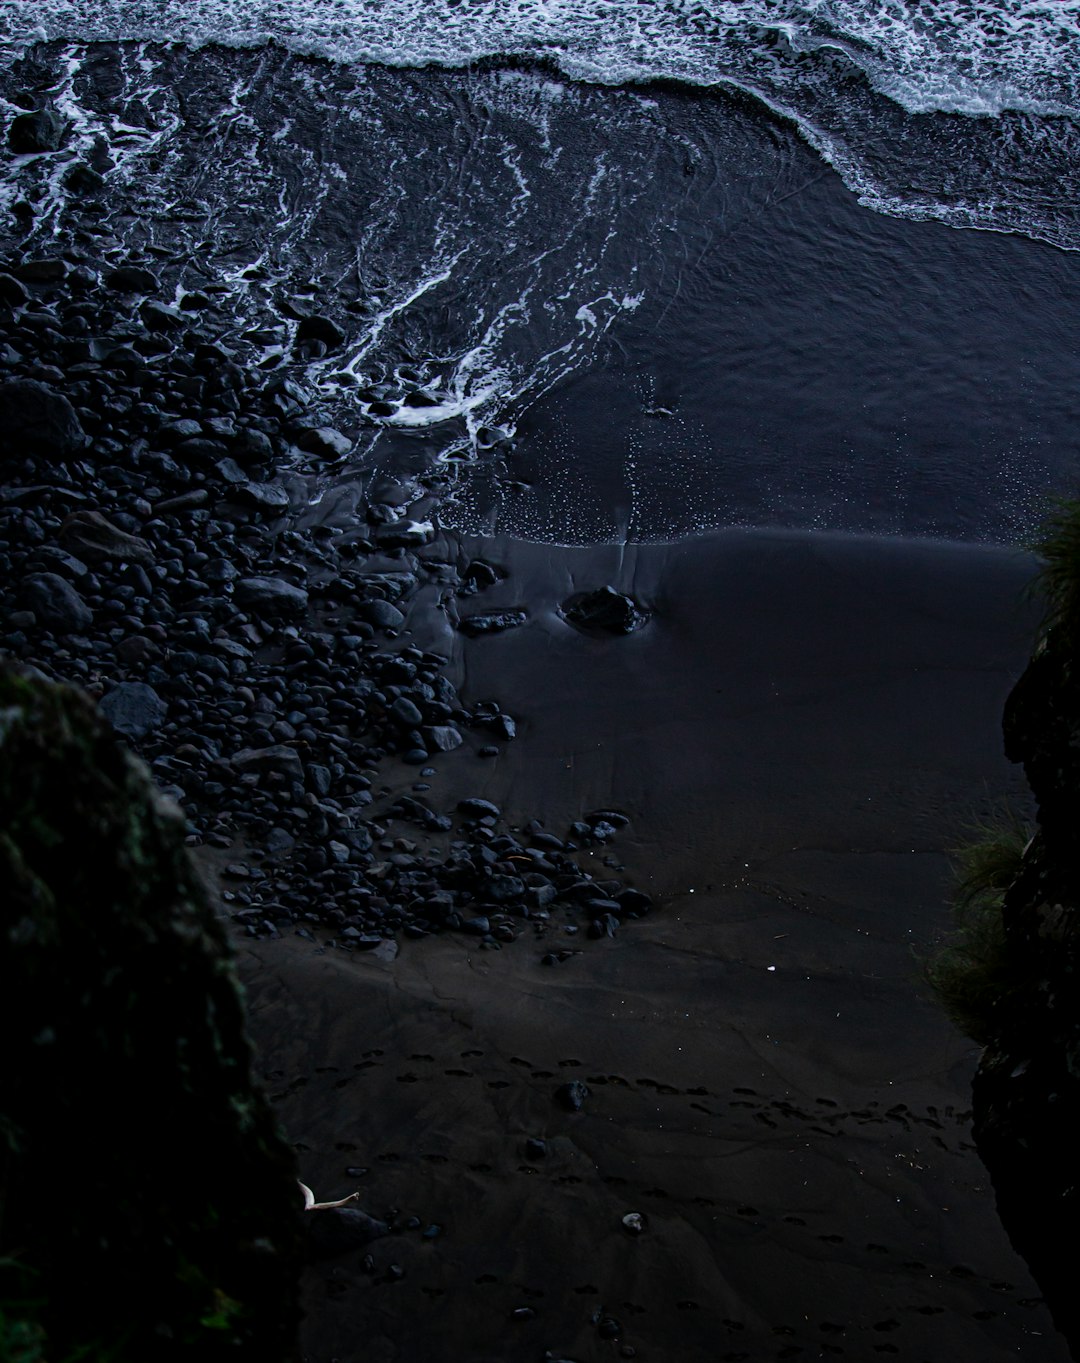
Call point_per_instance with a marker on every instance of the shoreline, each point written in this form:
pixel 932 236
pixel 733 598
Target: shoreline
pixel 770 1084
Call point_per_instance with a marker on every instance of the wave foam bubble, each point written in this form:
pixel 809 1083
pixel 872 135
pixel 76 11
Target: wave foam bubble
pixel 975 57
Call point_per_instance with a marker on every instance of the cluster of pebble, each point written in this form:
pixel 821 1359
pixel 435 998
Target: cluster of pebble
pixel 154 549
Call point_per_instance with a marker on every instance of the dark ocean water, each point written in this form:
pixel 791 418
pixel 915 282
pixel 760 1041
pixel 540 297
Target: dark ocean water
pixel 655 267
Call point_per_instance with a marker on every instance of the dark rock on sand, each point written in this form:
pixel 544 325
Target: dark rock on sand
pixel 479 808
pixel 383 615
pixel 133 709
pixel 604 611
pixel 492 623
pixel 572 1096
pixel 36 420
pixel 36 132
pixel 56 603
pixel 337 1230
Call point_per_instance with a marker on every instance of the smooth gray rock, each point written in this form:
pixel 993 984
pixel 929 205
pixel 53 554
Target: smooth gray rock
pixel 381 614
pixel 406 713
pixel 442 738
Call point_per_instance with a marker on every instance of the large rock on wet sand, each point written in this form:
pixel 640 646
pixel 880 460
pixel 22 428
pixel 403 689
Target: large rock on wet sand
pixel 604 611
pixel 36 420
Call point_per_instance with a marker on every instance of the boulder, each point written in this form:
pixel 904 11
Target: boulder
pixel 36 132
pixel 271 597
pixel 604 611
pixel 92 538
pixel 492 622
pixel 134 709
pixel 56 603
pixel 277 758
pixel 131 279
pixel 124 1041
pixel 36 420
pixel 324 440
pixel 319 328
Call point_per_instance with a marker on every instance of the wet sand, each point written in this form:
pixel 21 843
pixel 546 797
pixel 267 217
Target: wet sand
pixel 803 728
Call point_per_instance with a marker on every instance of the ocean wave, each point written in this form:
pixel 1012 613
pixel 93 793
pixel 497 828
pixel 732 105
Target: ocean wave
pixel 964 56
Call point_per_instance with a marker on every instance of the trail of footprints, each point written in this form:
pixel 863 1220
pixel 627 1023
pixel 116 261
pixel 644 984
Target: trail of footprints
pixel 824 1116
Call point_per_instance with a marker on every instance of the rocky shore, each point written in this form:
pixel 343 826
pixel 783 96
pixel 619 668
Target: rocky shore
pixel 162 546
pixel 741 1130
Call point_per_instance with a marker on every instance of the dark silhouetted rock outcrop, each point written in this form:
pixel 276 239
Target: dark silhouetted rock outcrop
pixel 149 1209
pixel 1027 1089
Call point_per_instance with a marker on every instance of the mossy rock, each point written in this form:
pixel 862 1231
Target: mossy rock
pixel 147 1203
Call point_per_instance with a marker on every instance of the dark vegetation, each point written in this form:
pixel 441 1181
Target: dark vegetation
pixel 148 1208
pixel 1009 976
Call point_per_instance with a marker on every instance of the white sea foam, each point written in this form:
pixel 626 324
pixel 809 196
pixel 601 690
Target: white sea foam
pixel 974 57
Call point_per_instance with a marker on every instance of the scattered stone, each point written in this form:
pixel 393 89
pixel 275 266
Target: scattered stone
pixel 89 536
pixel 337 1230
pixel 325 441
pixel 42 131
pixel 56 603
pixel 12 292
pixel 572 1096
pixel 276 758
pixel 635 1222
pixel 49 270
pixel 404 534
pixel 382 614
pixel 480 809
pixel 442 738
pixel 134 709
pixel 493 623
pixel 131 279
pixel 261 496
pixel 604 611
pixel 36 420
pixel 271 597
pixel 319 328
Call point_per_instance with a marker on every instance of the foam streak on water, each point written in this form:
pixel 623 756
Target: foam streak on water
pixel 851 73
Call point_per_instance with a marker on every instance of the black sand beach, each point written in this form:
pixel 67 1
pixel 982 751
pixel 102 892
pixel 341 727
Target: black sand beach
pixel 799 734
pixel 243 409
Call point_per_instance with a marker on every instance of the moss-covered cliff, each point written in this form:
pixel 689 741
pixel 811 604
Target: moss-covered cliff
pixel 1027 1089
pixel 147 1206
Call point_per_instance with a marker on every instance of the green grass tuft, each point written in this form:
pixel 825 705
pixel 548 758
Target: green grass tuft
pixel 972 972
pixel 1058 580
